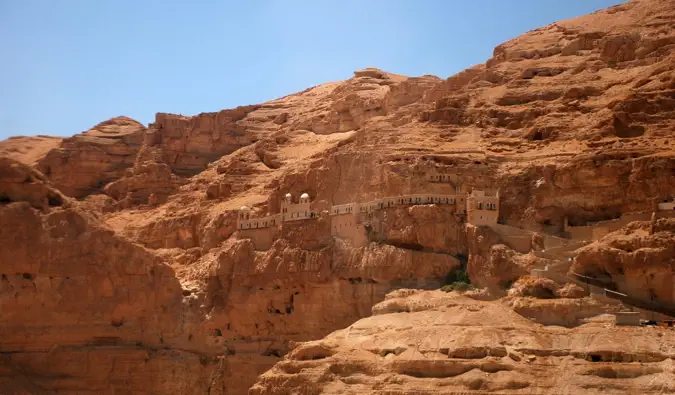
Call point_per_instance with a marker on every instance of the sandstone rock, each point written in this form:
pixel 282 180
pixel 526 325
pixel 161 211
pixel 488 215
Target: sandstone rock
pixel 28 150
pixel 541 288
pixel 84 163
pixel 149 176
pixel 190 143
pixel 633 261
pixel 371 72
pixel 491 349
pixel 81 295
pixel 20 183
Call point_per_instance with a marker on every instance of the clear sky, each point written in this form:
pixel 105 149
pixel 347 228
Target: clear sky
pixel 69 64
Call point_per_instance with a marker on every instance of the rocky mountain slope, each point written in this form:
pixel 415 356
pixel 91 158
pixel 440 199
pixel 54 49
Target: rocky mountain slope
pixel 123 271
pixel 430 342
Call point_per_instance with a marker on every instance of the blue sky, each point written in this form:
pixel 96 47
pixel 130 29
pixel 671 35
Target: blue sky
pixel 69 64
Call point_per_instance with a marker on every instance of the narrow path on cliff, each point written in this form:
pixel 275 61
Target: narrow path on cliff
pixel 661 308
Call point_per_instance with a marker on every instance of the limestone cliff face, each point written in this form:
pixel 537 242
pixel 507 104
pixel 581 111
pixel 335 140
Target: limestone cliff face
pixel 21 183
pixel 436 343
pixel 84 309
pixel 189 143
pixel 152 280
pixel 86 162
pixel 260 302
pixel 492 264
pixel 634 261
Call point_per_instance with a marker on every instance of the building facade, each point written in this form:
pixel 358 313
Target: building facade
pixel 481 208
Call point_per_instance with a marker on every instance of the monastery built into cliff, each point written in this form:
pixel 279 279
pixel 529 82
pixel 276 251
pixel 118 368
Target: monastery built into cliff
pixel 479 207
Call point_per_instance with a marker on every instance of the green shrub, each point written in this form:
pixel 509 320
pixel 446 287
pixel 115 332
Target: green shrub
pixel 459 286
pixel 458 275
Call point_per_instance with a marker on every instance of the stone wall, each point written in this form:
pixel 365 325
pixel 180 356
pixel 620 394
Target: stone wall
pixel 597 230
pixel 667 206
pixel 518 239
pixel 349 227
pixel 262 239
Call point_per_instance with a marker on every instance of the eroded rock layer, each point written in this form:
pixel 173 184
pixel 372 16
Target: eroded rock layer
pixel 436 343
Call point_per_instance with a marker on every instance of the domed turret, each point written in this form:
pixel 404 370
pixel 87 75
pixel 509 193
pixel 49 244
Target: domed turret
pixel 288 198
pixel 304 198
pixel 244 212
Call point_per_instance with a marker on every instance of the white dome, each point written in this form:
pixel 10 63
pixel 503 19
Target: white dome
pixel 244 208
pixel 304 196
pixel 288 195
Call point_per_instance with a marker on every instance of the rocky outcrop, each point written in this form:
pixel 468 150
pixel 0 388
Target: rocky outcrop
pixel 85 163
pixel 79 302
pixel 21 183
pixel 633 261
pixel 150 181
pixel 559 80
pixel 492 264
pixel 28 149
pixel 190 143
pixel 491 349
pixel 260 302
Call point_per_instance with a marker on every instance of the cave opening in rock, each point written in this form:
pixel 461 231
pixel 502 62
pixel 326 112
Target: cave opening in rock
pixel 117 322
pixel 54 200
pixel 546 293
pixel 273 353
pixel 4 199
pixel 627 131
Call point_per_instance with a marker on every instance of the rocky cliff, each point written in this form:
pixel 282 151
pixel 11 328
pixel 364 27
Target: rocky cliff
pixel 434 343
pixel 122 268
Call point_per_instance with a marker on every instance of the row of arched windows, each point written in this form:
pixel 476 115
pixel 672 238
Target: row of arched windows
pixel 254 225
pixel 488 206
